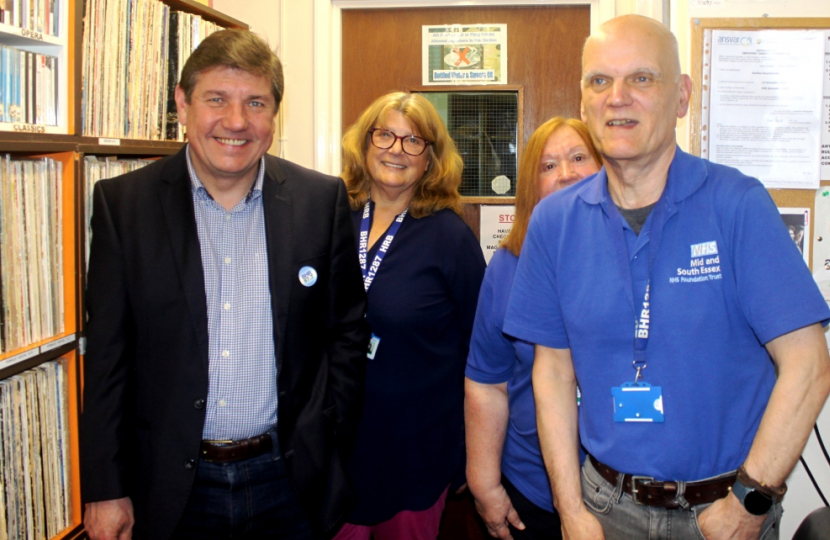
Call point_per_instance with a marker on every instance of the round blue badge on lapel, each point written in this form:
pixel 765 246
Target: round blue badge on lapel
pixel 308 276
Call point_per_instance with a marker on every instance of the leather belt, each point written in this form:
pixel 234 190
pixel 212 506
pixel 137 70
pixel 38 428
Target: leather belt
pixel 645 490
pixel 227 452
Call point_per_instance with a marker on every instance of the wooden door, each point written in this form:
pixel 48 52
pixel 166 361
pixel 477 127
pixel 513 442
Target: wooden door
pixel 382 54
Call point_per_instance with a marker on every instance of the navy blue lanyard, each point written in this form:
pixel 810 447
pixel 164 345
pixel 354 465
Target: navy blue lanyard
pixel 642 311
pixel 641 331
pixel 642 321
pixel 659 216
pixel 363 247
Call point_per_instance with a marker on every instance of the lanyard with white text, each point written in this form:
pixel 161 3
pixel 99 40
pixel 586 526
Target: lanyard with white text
pixel 641 330
pixel 363 248
pixel 638 401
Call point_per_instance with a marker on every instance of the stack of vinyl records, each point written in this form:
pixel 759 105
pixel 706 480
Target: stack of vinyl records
pixel 99 168
pixel 35 496
pixel 133 54
pixel 42 16
pixel 28 87
pixel 31 251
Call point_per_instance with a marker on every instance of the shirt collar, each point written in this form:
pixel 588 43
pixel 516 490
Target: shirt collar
pixel 686 174
pixel 197 185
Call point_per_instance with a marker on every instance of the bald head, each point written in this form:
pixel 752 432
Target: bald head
pixel 641 29
pixel 633 92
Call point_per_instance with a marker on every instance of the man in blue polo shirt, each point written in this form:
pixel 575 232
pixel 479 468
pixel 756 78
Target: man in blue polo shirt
pixel 669 288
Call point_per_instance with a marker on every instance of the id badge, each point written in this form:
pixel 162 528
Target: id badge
pixel 373 347
pixel 638 402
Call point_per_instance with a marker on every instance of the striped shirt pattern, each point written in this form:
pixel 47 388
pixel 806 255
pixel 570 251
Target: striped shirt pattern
pixel 242 392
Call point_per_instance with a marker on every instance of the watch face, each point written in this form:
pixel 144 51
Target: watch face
pixel 756 503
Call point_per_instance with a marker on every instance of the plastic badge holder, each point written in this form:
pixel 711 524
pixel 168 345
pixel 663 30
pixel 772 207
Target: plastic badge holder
pixel 638 402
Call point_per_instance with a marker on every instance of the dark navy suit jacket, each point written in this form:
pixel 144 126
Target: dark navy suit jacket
pixel 146 369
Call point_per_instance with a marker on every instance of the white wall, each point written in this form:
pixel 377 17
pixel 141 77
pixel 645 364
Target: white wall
pixel 287 26
pixel 310 113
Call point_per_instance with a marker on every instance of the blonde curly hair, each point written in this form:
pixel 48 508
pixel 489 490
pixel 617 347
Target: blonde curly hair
pixel 438 187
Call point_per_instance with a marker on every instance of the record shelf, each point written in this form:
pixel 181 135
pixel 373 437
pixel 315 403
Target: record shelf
pixel 56 146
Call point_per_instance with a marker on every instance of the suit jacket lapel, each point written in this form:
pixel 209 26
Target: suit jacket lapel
pixel 180 219
pixel 279 236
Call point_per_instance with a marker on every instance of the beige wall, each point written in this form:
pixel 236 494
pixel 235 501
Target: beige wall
pixel 306 34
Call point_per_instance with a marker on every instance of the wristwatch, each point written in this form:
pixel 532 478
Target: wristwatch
pixel 755 502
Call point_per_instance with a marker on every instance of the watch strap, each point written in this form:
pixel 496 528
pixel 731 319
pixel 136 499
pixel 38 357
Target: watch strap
pixel 773 492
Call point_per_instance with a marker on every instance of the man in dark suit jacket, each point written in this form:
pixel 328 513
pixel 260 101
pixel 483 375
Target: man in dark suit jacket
pixel 226 332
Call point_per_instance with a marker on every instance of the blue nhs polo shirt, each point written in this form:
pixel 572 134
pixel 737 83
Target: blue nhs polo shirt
pixel 725 277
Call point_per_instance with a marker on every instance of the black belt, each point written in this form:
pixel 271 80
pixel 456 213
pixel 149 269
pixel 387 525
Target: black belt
pixel 227 452
pixel 645 490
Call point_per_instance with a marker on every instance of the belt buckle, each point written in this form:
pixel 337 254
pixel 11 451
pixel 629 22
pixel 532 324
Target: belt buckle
pixel 634 490
pixel 218 442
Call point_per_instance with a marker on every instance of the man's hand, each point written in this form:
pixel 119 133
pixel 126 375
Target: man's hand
pixel 581 526
pixel 109 520
pixel 727 519
pixel 496 510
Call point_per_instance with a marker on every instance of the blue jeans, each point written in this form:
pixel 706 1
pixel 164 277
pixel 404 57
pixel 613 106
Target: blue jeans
pixel 248 499
pixel 622 519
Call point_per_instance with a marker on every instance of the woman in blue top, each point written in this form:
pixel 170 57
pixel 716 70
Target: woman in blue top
pixel 422 268
pixel 505 471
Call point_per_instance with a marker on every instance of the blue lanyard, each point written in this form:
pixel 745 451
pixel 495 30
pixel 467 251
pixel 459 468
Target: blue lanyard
pixel 363 247
pixel 641 331
pixel 660 214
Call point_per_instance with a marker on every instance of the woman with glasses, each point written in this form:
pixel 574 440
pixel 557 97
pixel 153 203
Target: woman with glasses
pixel 422 269
pixel 504 463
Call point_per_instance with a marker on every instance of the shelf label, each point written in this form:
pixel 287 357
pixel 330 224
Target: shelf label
pixel 31 34
pixel 57 343
pixel 16 359
pixel 109 142
pixel 31 128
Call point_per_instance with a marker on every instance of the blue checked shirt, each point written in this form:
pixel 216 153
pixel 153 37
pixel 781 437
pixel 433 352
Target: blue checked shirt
pixel 242 390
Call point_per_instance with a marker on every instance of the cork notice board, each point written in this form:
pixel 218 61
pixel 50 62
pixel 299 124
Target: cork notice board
pixel 701 32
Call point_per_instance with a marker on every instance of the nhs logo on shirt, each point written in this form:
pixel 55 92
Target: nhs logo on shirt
pixel 706 248
pixel 703 266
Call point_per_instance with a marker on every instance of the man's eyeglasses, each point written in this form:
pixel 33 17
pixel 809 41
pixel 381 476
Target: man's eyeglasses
pixel 410 144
